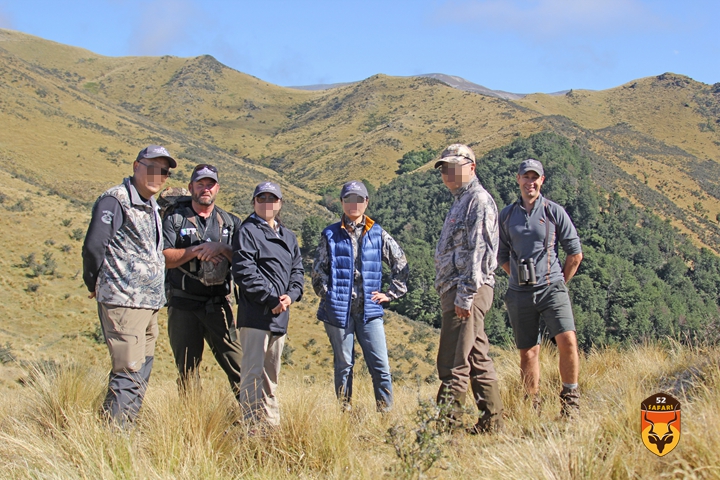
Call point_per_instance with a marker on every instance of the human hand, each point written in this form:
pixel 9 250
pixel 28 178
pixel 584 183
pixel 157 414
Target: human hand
pixel 209 252
pixel 379 297
pixel 92 295
pixel 461 312
pixel 283 305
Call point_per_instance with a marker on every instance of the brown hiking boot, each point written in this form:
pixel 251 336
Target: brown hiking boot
pixel 570 402
pixel 490 405
pixel 535 401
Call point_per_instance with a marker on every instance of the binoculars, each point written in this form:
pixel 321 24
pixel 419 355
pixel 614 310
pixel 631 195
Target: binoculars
pixel 526 272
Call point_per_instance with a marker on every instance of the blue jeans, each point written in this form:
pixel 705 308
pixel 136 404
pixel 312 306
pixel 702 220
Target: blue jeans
pixel 371 337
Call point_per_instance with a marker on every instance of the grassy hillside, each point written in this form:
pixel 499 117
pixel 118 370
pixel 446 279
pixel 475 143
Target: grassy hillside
pixel 49 427
pixel 72 122
pixel 47 315
pixel 664 131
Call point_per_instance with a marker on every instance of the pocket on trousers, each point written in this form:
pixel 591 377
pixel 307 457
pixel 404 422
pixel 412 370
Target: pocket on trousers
pixel 125 351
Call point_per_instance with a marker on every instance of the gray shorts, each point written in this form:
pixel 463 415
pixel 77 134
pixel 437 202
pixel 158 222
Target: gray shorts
pixel 525 308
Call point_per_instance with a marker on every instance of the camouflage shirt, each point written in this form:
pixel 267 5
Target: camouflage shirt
pixel 466 254
pixel 132 273
pixel 392 254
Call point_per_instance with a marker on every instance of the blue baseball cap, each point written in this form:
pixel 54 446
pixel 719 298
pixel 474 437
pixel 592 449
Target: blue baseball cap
pixel 156 151
pixel 354 187
pixel 268 187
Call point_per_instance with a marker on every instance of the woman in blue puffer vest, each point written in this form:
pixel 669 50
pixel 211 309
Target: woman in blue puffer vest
pixel 347 275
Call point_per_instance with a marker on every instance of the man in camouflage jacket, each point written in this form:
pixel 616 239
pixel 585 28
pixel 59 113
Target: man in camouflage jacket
pixel 465 261
pixel 124 269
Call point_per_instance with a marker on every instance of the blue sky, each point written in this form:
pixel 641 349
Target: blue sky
pixel 520 46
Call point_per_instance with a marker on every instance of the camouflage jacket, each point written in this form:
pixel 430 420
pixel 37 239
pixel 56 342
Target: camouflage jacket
pixel 466 254
pixel 133 270
pixel 392 255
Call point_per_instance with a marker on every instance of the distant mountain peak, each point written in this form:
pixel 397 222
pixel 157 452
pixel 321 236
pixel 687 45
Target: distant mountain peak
pixel 450 80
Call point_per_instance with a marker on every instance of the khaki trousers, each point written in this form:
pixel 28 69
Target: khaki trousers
pixel 130 334
pixel 463 358
pixel 261 360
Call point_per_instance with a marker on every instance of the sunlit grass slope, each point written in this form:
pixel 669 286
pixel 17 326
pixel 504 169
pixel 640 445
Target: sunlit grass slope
pixel 50 427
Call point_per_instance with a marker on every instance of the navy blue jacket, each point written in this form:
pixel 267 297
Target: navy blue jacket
pixel 266 265
pixel 335 306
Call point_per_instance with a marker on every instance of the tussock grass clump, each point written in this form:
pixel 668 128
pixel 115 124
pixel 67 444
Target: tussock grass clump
pixel 51 428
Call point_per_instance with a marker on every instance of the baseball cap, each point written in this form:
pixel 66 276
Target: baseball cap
pixel 156 151
pixel 354 187
pixel 456 153
pixel 204 170
pixel 268 187
pixel 531 165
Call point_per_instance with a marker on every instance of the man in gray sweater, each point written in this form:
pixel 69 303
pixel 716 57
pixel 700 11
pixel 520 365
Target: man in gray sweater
pixel 530 230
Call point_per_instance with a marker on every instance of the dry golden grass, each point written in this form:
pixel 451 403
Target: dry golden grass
pixel 50 427
pixel 72 122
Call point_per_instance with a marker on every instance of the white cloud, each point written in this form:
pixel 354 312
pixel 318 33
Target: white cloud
pixel 6 20
pixel 162 25
pixel 551 19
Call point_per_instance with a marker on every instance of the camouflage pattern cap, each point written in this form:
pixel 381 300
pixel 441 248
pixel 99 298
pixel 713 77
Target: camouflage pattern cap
pixel 456 153
pixel 268 187
pixel 531 165
pixel 156 151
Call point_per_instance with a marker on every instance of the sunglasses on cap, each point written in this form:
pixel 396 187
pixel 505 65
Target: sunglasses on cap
pixel 205 165
pixel 155 170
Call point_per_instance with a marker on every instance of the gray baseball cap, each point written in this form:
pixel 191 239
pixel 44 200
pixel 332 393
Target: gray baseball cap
pixel 531 165
pixel 268 187
pixel 354 187
pixel 204 170
pixel 156 151
pixel 456 153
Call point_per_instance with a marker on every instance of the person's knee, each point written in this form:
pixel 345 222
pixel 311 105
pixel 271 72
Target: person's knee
pixel 530 354
pixel 566 341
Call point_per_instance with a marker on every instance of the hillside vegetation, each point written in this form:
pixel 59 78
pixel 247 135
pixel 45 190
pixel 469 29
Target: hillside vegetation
pixel 636 166
pixel 639 280
pixel 51 429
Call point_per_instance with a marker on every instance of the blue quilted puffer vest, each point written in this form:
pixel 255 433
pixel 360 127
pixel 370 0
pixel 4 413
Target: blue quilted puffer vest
pixel 335 307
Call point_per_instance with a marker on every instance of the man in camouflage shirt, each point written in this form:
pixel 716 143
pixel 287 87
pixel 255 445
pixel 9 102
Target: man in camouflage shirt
pixel 124 269
pixel 347 275
pixel 465 261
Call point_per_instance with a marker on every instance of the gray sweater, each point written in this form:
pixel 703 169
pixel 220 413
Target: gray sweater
pixel 522 235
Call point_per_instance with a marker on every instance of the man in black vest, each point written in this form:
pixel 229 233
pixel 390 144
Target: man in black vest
pixel 198 236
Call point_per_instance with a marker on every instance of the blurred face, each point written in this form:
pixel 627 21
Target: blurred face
pixel 354 206
pixel 204 191
pixel 456 175
pixel 150 175
pixel 267 206
pixel 530 183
